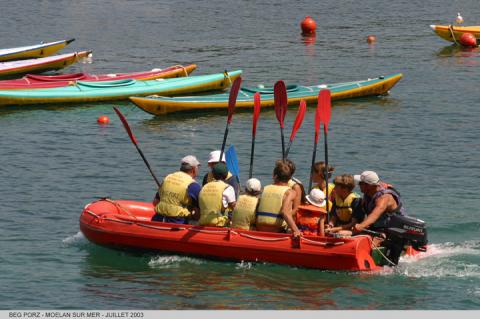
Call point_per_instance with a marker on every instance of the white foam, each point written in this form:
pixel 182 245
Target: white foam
pixel 74 239
pixel 244 265
pixel 443 260
pixel 172 261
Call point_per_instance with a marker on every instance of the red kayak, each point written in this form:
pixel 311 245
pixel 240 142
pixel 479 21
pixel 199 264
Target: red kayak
pixel 32 81
pixel 127 224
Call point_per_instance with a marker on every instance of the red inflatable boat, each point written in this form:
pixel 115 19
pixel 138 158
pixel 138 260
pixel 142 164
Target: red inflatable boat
pixel 127 224
pixel 32 81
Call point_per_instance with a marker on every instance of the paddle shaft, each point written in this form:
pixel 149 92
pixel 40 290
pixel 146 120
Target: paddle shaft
pixel 313 163
pixel 250 173
pixel 224 141
pixel 325 173
pixel 134 141
pixel 283 142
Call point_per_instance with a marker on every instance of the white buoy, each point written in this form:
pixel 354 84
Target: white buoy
pixel 459 19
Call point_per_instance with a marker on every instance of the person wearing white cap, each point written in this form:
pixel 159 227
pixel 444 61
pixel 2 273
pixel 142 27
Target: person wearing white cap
pixel 177 197
pixel 311 216
pixel 274 212
pixel 214 158
pixel 243 216
pixel 380 200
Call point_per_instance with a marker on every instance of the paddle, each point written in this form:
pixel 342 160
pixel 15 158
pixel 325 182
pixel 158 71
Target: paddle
pixel 296 125
pixel 324 100
pixel 280 100
pixel 256 115
pixel 232 162
pixel 317 132
pixel 232 100
pixel 134 141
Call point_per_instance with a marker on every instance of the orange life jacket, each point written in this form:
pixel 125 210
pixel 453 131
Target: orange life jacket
pixel 308 217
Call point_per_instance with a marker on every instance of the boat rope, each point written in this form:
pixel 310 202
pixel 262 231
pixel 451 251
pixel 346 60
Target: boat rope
pixel 450 28
pixel 120 207
pixel 92 213
pixel 119 221
pixel 227 76
pixel 380 252
pixel 264 238
pixel 209 231
pixel 161 228
pixel 323 243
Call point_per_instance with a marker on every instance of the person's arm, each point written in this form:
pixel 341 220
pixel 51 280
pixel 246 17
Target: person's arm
pixel 229 198
pixel 287 205
pixel 381 205
pixel 193 191
pixel 298 198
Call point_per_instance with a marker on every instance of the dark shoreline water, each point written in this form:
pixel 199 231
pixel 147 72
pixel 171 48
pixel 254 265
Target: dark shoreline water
pixel 423 138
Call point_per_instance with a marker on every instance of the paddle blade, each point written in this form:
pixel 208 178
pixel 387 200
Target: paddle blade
pixel 325 103
pixel 299 119
pixel 232 99
pixel 280 100
pixel 256 112
pixel 232 161
pixel 125 124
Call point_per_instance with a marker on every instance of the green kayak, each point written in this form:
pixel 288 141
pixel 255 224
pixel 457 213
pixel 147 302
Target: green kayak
pixel 81 91
pixel 345 90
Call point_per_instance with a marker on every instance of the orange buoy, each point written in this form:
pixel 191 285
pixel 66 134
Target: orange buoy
pixel 308 25
pixel 103 119
pixel 468 40
pixel 371 39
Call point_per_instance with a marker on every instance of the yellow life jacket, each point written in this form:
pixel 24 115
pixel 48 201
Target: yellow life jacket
pixel 211 179
pixel 330 189
pixel 270 207
pixel 243 216
pixel 344 207
pixel 174 199
pixel 211 205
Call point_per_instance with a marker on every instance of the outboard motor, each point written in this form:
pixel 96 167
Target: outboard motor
pixel 403 231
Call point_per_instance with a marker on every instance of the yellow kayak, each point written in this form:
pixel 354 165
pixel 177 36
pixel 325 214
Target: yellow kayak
pixel 39 65
pixel 160 105
pixel 33 51
pixel 453 33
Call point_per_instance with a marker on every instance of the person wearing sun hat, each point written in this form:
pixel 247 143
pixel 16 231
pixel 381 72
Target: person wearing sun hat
pixel 243 216
pixel 380 201
pixel 214 158
pixel 177 197
pixel 216 199
pixel 310 217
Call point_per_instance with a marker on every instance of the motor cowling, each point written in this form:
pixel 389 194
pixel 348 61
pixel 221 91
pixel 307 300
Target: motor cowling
pixel 404 231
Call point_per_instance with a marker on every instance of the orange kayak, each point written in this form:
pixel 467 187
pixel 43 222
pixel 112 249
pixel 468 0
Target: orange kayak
pixel 127 224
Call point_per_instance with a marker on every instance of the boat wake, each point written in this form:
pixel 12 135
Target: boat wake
pixel 460 260
pixel 172 261
pixel 77 239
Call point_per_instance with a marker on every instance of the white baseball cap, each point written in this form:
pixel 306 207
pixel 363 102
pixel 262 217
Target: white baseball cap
pixel 190 160
pixel 253 185
pixel 214 156
pixel 316 198
pixel 367 177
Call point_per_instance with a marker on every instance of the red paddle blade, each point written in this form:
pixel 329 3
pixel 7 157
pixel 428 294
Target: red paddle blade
pixel 232 99
pixel 125 124
pixel 256 111
pixel 280 100
pixel 299 119
pixel 325 103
